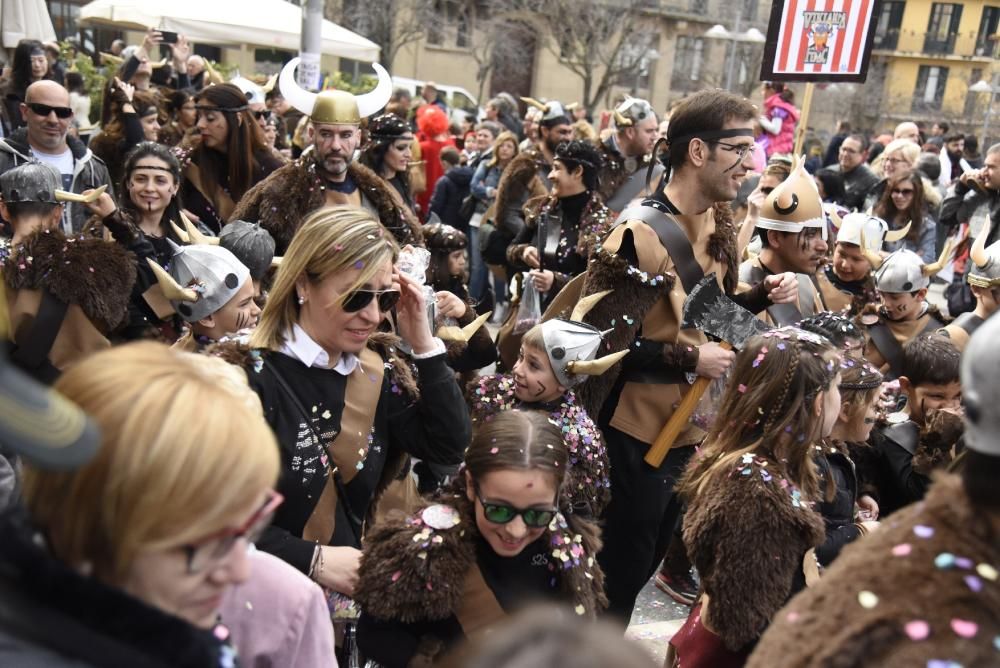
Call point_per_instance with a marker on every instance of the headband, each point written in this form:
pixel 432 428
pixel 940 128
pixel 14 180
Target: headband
pixel 709 135
pixel 202 107
pixel 562 157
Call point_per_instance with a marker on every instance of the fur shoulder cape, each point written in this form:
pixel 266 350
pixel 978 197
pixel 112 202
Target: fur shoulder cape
pixel 282 200
pixel 519 182
pixel 412 572
pixel 747 531
pixel 613 173
pixel 94 274
pixel 932 593
pixel 588 481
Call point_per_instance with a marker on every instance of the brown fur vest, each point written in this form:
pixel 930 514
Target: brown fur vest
pixel 519 183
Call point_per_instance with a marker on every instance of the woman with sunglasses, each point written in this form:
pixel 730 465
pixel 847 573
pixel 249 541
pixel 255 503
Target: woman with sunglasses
pixel 907 200
pixel 502 538
pixel 344 400
pixel 229 160
pixel 125 561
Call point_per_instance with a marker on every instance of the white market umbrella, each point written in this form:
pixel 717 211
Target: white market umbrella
pixel 25 19
pixel 274 24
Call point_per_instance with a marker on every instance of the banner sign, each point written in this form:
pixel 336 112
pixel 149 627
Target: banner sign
pixel 819 40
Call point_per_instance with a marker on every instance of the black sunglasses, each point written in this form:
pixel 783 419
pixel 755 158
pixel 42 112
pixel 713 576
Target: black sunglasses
pixel 357 300
pixel 499 513
pixel 261 114
pixel 45 110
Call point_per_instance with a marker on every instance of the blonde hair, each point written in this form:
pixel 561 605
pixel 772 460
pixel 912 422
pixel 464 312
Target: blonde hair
pixel 330 241
pixel 184 452
pixel 909 150
pixel 504 136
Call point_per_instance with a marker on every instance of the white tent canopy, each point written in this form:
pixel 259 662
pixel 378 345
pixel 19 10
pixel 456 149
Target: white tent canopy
pixel 273 24
pixel 25 19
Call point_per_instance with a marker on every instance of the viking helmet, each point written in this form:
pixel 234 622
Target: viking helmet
pixel 251 244
pixel 572 345
pixel 336 107
pixel 854 227
pixel 254 93
pixel 553 113
pixel 794 204
pixel 201 281
pixel 981 390
pixel 631 111
pixel 904 270
pixel 985 270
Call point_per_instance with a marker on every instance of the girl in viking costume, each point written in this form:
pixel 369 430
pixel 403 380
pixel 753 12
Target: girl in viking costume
pixel 504 537
pixel 389 152
pixel 846 283
pixel 750 527
pixel 344 401
pixel 555 356
pixel 984 281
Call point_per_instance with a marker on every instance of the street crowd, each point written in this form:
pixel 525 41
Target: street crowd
pixel 307 379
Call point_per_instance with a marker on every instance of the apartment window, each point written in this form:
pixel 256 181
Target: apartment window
pixel 699 7
pixel 942 28
pixel 449 24
pixel 930 88
pixel 750 10
pixel 986 41
pixel 887 28
pixel 689 54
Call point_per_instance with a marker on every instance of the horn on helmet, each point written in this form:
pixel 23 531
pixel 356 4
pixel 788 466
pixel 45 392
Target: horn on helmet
pixel 181 234
pixel 835 217
pixel 896 235
pixel 171 288
pixel 67 196
pixel 297 96
pixel 371 102
pixel 536 104
pixel 621 121
pixel 935 267
pixel 269 85
pixel 873 258
pixel 978 250
pixel 195 235
pixel 462 334
pixel 595 367
pixel 584 306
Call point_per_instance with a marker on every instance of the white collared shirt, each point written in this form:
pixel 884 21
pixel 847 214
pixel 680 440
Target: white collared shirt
pixel 301 346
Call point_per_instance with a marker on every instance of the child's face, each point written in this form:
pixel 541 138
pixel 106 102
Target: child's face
pixel 534 380
pixel 456 262
pixel 903 306
pixel 921 399
pixel 857 424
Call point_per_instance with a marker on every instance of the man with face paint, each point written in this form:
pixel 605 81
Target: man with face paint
pixel 902 280
pixel 627 153
pixel 792 228
pixel 652 256
pixel 327 174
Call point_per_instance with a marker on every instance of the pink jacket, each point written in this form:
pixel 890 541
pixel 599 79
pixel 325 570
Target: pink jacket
pixel 784 141
pixel 279 617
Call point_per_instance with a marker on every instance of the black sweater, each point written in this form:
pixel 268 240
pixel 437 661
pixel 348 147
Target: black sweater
pixel 436 429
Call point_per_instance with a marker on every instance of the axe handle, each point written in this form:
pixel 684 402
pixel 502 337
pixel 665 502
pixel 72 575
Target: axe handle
pixel 679 420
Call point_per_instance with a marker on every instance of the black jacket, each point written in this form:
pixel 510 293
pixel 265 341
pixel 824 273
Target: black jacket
pixel 962 202
pixel 835 467
pixel 449 192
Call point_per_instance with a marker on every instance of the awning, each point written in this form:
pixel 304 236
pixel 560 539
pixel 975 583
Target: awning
pixel 273 24
pixel 25 19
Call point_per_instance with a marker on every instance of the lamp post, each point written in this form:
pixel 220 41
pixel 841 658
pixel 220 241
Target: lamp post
pixel 719 31
pixel 984 86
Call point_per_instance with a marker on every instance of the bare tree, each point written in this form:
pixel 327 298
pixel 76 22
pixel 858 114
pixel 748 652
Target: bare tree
pixel 604 42
pixel 498 43
pixel 392 24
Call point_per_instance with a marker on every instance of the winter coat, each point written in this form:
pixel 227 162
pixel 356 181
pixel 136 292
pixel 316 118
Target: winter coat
pixel 920 591
pixel 836 469
pixel 89 172
pixel 777 108
pixel 430 152
pixel 53 617
pixel 485 177
pixel 961 204
pixel 924 246
pixel 449 192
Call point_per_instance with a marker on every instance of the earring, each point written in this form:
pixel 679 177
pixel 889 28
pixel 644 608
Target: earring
pixel 302 300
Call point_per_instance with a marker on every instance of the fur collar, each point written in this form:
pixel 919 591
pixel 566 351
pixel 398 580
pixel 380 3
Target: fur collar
pixel 588 482
pixel 613 172
pixel 722 245
pixel 105 612
pixel 520 176
pixel 411 571
pixel 94 274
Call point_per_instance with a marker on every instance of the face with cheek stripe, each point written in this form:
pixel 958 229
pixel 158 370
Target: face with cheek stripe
pixel 534 380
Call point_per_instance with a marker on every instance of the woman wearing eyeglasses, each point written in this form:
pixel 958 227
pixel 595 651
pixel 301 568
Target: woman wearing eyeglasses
pixel 346 402
pixel 230 159
pixel 907 200
pixel 497 542
pixel 125 560
pixel 900 155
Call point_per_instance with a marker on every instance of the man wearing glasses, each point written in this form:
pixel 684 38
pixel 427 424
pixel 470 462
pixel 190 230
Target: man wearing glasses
pixel 655 253
pixel 47 114
pixel 858 177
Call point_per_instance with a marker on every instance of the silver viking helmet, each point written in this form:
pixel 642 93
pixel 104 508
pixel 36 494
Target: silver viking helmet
pixel 202 279
pixel 254 93
pixel 631 111
pixel 553 112
pixel 981 389
pixel 985 270
pixel 336 107
pixel 904 270
pixel 251 244
pixel 854 228
pixel 572 345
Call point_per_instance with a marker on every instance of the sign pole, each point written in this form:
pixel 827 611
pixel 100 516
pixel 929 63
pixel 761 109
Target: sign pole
pixel 800 132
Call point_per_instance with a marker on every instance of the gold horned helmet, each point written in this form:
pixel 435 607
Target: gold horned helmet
pixel 794 204
pixel 337 107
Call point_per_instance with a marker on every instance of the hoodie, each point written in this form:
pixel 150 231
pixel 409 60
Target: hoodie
pixel 449 192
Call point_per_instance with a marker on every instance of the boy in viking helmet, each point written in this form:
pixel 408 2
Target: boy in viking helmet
pixel 792 229
pixel 556 356
pixel 984 280
pixel 211 291
pixel 902 280
pixel 846 284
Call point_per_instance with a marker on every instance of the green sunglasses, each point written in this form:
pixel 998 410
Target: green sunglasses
pixel 499 513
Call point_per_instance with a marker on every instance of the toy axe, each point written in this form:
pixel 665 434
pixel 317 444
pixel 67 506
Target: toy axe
pixel 707 309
